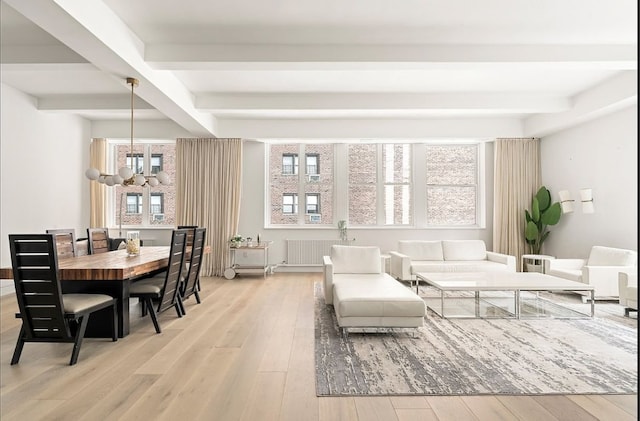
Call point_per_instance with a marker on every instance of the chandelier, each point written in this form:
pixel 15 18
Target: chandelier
pixel 127 176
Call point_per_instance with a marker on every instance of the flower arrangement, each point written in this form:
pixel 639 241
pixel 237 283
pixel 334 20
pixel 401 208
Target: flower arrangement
pixel 236 240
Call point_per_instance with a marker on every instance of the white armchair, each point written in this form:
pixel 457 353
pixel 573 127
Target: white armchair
pixel 628 288
pixel 600 270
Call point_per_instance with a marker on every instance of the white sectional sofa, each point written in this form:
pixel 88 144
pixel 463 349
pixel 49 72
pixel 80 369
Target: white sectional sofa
pixel 600 269
pixel 364 295
pixel 414 256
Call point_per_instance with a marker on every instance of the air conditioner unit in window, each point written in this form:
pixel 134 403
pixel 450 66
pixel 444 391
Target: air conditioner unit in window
pixel 158 216
pixel 315 218
pixel 314 177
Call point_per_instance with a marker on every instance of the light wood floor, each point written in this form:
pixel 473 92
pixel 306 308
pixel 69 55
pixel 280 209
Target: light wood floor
pixel 245 353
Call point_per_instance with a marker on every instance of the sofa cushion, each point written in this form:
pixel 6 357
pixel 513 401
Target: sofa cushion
pixel 570 274
pixel 608 256
pixel 376 297
pixel 464 250
pixel 421 250
pixel 356 259
pixel 457 266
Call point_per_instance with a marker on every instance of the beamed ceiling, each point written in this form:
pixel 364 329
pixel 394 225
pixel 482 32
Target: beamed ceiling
pixel 546 64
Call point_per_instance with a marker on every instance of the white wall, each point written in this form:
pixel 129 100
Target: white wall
pixel 43 157
pixel 42 162
pixel 602 155
pixel 252 213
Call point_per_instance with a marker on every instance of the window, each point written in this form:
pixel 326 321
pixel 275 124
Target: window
pixel 290 164
pixel 134 203
pixel 362 181
pixel 138 162
pixel 290 203
pixel 408 184
pixel 312 166
pixel 156 163
pixel 396 170
pixel 313 203
pixel 452 185
pixel 313 184
pixel 156 203
pixel 135 206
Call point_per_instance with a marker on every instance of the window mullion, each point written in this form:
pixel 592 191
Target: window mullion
pixel 302 199
pixel 380 187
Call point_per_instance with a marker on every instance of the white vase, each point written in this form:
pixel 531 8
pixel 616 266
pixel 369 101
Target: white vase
pixel 533 267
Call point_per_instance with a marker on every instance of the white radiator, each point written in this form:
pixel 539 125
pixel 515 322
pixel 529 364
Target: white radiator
pixel 310 252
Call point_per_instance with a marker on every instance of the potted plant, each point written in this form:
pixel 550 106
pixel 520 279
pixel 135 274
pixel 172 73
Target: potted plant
pixel 543 213
pixel 236 240
pixel 342 227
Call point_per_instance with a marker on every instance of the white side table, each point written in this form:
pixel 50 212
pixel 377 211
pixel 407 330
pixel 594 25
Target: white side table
pixel 534 257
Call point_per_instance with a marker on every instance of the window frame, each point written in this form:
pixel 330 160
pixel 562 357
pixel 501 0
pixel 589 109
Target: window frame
pixel 111 200
pixel 294 203
pixel 417 177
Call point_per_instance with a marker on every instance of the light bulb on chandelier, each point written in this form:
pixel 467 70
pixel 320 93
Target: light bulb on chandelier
pixel 127 176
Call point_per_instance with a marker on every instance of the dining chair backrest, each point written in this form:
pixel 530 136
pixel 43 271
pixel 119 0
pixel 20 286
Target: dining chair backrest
pixel 65 242
pixel 191 285
pixel 38 292
pixel 98 240
pixel 171 289
pixel 190 234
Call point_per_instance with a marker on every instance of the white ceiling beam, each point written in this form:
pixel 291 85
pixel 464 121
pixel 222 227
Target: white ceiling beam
pixel 39 54
pixel 399 57
pixel 614 94
pixel 498 102
pixel 95 32
pixel 352 129
pixel 73 103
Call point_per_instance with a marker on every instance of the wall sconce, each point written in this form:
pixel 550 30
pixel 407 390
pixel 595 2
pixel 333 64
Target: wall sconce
pixel 566 202
pixel 586 197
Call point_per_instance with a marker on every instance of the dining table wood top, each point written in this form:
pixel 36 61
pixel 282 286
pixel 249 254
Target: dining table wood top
pixel 114 265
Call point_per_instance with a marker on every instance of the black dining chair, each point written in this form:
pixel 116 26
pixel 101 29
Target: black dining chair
pixel 65 242
pixel 191 280
pixel 99 241
pixel 190 234
pixel 47 314
pixel 164 288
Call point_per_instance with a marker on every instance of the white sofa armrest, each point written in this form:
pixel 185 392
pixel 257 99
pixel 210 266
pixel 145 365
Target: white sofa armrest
pixel 400 266
pixel 328 279
pixel 625 281
pixel 604 279
pixel 505 259
pixel 567 264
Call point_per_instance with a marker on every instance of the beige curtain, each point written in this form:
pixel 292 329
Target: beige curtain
pixel 516 179
pixel 208 189
pixel 98 192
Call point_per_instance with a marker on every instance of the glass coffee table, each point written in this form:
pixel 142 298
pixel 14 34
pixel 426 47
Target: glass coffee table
pixel 500 295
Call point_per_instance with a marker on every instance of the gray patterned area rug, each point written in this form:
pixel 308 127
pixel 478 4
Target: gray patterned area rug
pixel 476 357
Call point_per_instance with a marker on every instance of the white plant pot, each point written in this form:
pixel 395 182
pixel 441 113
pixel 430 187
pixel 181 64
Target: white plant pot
pixel 533 267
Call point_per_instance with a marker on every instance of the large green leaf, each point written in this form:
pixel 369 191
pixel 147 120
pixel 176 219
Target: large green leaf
pixel 531 231
pixel 535 210
pixel 552 215
pixel 544 198
pixel 527 217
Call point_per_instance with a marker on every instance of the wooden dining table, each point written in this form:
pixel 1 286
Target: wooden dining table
pixel 111 273
pixel 107 273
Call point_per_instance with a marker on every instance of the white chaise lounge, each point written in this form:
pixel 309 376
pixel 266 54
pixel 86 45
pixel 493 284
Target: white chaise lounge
pixel 363 295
